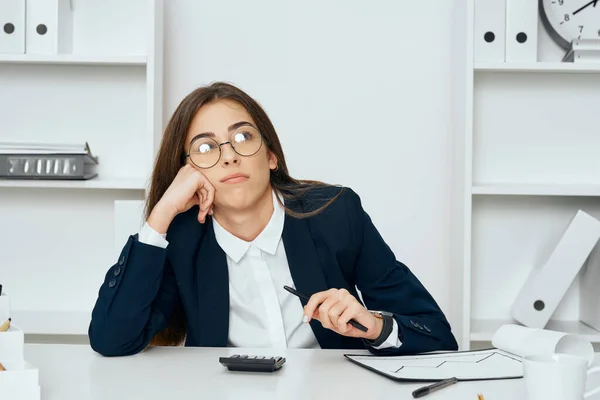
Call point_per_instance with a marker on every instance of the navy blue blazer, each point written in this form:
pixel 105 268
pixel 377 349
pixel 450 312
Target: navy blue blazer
pixel 338 248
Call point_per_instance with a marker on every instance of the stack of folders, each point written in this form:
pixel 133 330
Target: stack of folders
pixel 545 287
pixel 583 50
pixel 27 160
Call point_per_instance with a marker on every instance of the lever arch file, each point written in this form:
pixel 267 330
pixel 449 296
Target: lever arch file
pixel 546 286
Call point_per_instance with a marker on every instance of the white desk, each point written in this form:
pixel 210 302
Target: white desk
pixel 75 372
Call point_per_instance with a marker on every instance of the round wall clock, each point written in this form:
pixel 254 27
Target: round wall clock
pixel 568 20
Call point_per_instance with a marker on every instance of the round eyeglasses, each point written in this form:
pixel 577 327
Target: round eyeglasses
pixel 205 152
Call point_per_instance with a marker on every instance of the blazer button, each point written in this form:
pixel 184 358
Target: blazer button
pixel 419 326
pixel 117 271
pixel 112 283
pixel 426 328
pixel 413 323
pixel 122 260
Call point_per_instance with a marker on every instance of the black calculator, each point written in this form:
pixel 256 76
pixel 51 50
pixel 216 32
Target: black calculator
pixel 244 362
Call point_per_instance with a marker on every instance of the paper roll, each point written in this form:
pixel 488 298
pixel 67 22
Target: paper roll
pixel 523 341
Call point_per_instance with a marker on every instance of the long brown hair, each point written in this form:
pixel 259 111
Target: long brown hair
pixel 170 159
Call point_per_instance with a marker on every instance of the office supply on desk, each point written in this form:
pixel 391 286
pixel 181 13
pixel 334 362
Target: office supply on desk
pixel 480 397
pixel 246 363
pixel 425 390
pixel 567 374
pixel 545 287
pixel 504 361
pixel 5 326
pixel 352 322
pixel 2 367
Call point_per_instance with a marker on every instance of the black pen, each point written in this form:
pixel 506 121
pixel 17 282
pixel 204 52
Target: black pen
pixel 352 322
pixel 425 390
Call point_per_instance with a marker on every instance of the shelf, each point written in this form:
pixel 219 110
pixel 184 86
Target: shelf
pixel 483 330
pixel 132 184
pixel 552 67
pixel 517 189
pixel 72 59
pixel 52 322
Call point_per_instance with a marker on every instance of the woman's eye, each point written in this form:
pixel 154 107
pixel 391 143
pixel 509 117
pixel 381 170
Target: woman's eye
pixel 242 137
pixel 205 148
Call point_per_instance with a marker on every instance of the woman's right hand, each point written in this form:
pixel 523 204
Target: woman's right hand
pixel 189 188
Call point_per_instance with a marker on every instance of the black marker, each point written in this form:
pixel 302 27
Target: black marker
pixel 352 322
pixel 425 390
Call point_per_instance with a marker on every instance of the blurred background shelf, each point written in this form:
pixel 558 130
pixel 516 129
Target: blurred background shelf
pixel 482 330
pixel 527 189
pixel 52 322
pixel 552 67
pixel 133 184
pixel 74 59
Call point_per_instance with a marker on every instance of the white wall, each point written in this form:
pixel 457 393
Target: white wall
pixel 332 75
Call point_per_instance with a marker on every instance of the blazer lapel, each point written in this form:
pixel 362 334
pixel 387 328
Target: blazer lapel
pixel 213 291
pixel 306 270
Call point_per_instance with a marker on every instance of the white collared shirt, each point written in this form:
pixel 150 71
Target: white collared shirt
pixel 261 313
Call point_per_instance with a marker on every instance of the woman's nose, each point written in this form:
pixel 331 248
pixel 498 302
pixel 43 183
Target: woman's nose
pixel 228 155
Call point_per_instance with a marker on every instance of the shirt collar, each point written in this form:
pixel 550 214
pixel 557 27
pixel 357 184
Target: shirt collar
pixel 267 240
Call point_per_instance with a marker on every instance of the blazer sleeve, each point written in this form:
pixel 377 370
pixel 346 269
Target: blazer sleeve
pixel 135 301
pixel 388 285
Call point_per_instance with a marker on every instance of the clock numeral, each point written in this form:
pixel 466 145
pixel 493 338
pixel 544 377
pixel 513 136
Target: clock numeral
pixel 580 28
pixel 598 32
pixel 561 2
pixel 567 18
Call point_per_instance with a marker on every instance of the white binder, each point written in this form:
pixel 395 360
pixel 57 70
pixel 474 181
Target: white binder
pixel 489 30
pixel 521 30
pixel 589 291
pixel 49 27
pixel 12 26
pixel 545 287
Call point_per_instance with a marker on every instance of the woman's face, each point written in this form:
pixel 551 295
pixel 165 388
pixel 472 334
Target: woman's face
pixel 239 181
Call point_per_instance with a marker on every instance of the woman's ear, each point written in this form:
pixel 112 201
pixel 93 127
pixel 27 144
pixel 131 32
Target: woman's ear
pixel 272 161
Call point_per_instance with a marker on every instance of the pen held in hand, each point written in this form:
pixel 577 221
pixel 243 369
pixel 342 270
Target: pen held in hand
pixel 352 322
pixel 425 390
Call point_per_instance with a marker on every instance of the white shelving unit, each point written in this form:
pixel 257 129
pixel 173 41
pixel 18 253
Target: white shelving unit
pixel 550 67
pixel 115 184
pixel 58 237
pixel 73 59
pixel 527 143
pixel 528 189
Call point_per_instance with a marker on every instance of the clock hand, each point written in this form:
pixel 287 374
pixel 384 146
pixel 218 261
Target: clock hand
pixel 594 2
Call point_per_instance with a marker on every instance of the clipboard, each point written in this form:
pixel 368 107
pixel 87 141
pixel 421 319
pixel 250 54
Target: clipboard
pixel 475 365
pixel 503 361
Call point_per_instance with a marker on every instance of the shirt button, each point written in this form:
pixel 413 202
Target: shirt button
pixel 112 283
pixel 117 271
pixel 122 260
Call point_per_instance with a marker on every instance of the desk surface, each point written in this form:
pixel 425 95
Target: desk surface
pixel 75 372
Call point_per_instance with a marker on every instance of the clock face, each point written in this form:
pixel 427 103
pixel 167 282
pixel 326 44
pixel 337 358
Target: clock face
pixel 567 20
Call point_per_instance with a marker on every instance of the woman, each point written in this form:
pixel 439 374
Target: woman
pixel 227 228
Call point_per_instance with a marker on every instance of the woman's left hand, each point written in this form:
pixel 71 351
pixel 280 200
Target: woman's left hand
pixel 335 307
